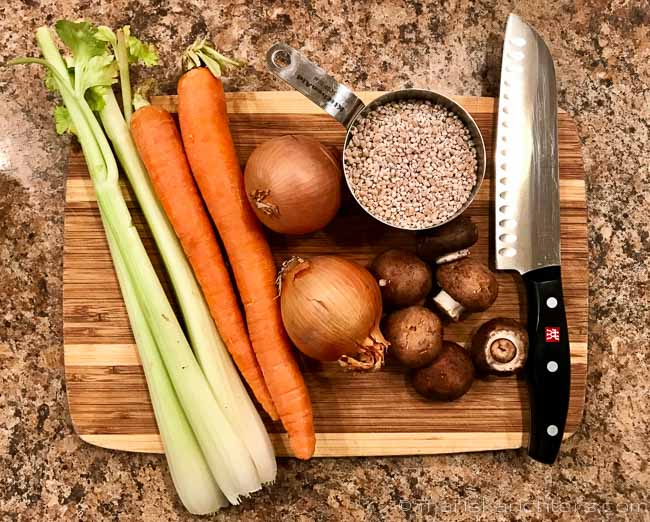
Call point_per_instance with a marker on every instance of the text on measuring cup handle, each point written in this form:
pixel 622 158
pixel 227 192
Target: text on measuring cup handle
pixel 313 85
pixel 312 81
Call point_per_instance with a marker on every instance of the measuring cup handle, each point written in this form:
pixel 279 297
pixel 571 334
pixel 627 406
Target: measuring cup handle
pixel 312 81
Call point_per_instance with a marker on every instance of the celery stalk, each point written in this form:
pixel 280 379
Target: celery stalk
pixel 227 457
pixel 191 476
pixel 122 56
pixel 190 473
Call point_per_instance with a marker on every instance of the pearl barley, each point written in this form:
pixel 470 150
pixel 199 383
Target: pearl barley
pixel 410 163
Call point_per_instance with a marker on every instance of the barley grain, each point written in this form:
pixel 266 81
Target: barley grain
pixel 412 163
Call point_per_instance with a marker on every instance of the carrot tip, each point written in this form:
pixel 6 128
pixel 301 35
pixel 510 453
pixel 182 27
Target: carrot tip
pixel 303 447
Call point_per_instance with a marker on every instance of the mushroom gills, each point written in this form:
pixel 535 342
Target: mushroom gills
pixel 500 346
pixel 449 305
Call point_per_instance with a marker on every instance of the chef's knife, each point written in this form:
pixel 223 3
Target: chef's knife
pixel 527 224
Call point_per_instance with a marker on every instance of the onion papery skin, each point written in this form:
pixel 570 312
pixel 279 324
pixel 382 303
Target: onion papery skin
pixel 331 309
pixel 293 184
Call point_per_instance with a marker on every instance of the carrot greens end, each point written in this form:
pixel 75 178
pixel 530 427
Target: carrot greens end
pixel 202 52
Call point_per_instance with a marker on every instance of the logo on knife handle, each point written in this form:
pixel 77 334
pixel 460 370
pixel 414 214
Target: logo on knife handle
pixel 552 334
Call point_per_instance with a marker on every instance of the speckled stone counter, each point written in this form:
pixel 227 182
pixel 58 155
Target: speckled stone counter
pixel 602 51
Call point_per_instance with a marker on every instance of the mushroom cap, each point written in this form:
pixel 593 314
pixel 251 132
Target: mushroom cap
pixel 459 234
pixel 448 377
pixel 500 346
pixel 407 279
pixel 469 282
pixel 415 336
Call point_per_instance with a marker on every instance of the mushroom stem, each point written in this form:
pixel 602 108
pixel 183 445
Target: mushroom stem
pixel 500 346
pixel 503 350
pixel 452 256
pixel 449 305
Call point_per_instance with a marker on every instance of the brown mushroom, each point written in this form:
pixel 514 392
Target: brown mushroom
pixel 466 285
pixel 415 336
pixel 448 242
pixel 500 347
pixel 448 377
pixel 404 279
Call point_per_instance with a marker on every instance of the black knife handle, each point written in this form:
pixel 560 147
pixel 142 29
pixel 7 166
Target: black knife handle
pixel 548 368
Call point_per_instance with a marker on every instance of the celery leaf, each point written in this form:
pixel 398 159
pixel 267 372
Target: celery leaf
pixel 63 121
pixel 106 34
pixel 95 98
pixel 139 51
pixel 94 64
pixel 101 71
pixel 81 39
pixel 50 82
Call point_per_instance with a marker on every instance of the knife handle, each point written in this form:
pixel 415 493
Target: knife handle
pixel 548 368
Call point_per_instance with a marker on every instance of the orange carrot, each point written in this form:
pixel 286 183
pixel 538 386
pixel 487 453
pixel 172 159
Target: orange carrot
pixel 214 163
pixel 161 150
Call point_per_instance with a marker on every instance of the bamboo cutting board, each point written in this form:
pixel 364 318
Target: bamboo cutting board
pixel 369 414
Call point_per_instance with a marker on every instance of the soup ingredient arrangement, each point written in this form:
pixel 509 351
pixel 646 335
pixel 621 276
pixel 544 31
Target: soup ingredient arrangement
pixel 330 308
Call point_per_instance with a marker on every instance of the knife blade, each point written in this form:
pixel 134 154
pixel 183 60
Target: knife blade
pixel 527 224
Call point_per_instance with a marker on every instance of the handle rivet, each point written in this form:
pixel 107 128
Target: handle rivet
pixel 552 430
pixel 551 302
pixel 552 366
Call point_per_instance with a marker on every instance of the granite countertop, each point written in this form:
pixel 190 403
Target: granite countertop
pixel 602 51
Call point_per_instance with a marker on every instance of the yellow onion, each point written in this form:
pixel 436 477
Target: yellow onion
pixel 331 309
pixel 293 184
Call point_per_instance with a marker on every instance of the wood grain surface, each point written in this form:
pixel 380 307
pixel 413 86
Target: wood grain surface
pixel 368 414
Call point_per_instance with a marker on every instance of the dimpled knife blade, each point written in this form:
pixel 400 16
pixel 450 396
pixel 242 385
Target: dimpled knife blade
pixel 527 199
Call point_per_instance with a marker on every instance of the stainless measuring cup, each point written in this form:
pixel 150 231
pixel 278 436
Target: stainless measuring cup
pixel 343 105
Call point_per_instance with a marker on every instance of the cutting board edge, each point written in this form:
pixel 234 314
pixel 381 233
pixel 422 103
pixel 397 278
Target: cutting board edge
pixel 275 101
pixel 349 444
